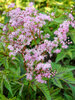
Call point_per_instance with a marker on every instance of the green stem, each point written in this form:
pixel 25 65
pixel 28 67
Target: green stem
pixel 29 89
pixel 21 76
pixel 48 84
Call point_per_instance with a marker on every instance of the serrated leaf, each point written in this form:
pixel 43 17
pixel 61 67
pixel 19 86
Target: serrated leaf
pixel 63 73
pixel 57 82
pixel 54 92
pixel 44 89
pixel 68 78
pixel 61 70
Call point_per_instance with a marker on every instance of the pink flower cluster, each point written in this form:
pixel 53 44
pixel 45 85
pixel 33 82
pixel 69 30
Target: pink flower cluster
pixel 27 26
pixel 62 31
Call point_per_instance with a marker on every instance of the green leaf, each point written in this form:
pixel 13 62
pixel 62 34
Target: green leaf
pixel 33 43
pixel 72 34
pixel 69 53
pixel 62 73
pixel 54 92
pixel 40 0
pixel 6 64
pixel 60 56
pixel 68 78
pixel 59 20
pixel 73 90
pixel 6 20
pixel 14 98
pixel 2 97
pixel 61 70
pixel 38 40
pixel 21 89
pixel 1 31
pixel 21 64
pixel 68 97
pixel 58 97
pixel 11 28
pixel 7 84
pixel 1 86
pixel 57 82
pixel 33 86
pixel 2 47
pixel 15 87
pixel 4 61
pixel 44 89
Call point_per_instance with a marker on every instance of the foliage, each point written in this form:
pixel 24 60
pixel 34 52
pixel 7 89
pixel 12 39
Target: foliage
pixel 14 82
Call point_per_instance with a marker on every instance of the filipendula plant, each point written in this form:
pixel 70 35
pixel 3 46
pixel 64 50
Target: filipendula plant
pixel 23 37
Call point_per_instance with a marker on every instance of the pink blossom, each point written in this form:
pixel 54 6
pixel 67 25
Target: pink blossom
pixel 10 47
pixel 28 76
pixel 70 16
pixel 11 54
pixel 57 51
pixel 4 28
pixel 31 4
pixel 47 35
pixel 52 14
pixel 11 5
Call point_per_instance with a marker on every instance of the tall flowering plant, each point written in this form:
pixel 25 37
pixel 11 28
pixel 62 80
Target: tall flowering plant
pixel 26 28
pixel 22 34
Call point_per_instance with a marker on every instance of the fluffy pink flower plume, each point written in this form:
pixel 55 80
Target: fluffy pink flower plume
pixel 27 26
pixel 52 14
pixel 71 16
pixel 31 4
pixel 11 5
